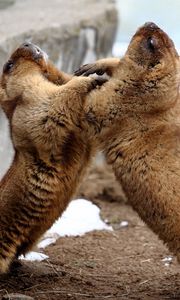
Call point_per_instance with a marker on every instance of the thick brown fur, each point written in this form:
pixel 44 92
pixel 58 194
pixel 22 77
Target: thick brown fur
pixel 52 148
pixel 138 113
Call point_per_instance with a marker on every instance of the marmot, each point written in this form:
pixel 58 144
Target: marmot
pixel 52 148
pixel 138 110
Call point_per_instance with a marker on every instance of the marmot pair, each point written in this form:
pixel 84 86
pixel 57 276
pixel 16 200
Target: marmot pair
pixel 134 118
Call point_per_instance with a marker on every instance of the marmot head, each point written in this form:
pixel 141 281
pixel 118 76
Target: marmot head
pixel 150 71
pixel 25 60
pixel 150 47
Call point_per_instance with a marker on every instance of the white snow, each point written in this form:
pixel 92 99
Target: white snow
pixel 34 256
pixel 124 224
pixel 167 260
pixel 47 241
pixel 80 217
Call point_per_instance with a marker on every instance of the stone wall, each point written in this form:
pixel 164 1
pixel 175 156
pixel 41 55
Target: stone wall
pixel 72 32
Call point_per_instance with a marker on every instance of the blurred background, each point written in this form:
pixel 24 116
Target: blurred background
pixel 134 13
pixel 74 32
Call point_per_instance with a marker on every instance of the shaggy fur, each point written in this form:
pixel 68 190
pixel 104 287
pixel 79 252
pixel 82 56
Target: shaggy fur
pixel 138 111
pixel 52 148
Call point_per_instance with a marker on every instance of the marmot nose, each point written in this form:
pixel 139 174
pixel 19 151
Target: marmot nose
pixel 151 25
pixel 26 44
pixel 32 48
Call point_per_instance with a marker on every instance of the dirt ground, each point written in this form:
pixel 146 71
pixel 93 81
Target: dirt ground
pixel 123 264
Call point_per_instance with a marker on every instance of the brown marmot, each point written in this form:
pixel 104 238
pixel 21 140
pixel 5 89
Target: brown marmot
pixel 138 110
pixel 52 148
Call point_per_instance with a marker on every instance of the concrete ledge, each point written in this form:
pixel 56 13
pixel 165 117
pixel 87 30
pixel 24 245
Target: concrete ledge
pixel 65 29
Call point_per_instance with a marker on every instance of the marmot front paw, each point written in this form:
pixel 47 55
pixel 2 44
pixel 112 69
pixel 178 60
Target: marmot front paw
pixel 88 69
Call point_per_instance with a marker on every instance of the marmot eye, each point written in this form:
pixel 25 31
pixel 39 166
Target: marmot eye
pixel 8 66
pixel 151 44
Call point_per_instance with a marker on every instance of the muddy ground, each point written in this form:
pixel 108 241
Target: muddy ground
pixel 123 264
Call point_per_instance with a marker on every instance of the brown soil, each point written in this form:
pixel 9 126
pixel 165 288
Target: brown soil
pixel 123 264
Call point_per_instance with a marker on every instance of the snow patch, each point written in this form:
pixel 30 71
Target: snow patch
pixel 123 224
pixel 167 260
pixel 34 256
pixel 80 217
pixel 47 241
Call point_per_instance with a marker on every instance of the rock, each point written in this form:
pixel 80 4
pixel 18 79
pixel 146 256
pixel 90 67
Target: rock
pixel 65 29
pixel 71 32
pixel 15 296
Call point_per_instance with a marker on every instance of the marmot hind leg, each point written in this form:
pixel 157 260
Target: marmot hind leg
pixel 5 263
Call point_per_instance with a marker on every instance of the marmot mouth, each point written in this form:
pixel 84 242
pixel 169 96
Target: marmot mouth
pixel 36 51
pixel 151 29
